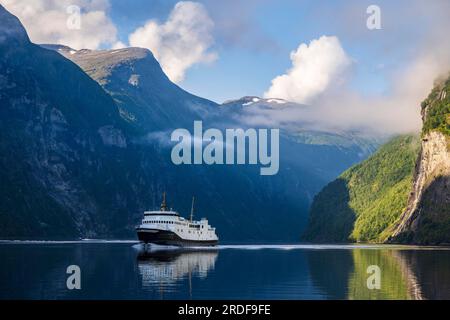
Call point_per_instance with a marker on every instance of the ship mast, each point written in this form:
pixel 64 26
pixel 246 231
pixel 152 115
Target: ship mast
pixel 192 209
pixel 163 204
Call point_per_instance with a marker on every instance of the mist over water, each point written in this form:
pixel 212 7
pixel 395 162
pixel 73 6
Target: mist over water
pixel 123 270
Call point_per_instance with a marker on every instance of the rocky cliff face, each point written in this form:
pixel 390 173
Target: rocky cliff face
pixel 61 137
pixel 427 217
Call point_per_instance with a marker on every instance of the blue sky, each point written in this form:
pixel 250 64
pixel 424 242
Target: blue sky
pixel 318 53
pixel 247 66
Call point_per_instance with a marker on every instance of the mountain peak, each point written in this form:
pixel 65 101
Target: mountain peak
pixel 112 56
pixel 57 47
pixel 100 64
pixel 11 29
pixel 250 100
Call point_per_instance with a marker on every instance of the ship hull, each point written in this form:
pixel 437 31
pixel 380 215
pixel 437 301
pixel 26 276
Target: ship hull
pixel 168 238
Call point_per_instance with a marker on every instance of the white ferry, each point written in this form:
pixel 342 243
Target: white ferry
pixel 167 227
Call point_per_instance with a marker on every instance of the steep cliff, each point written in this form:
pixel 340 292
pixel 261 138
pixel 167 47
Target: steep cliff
pixel 427 217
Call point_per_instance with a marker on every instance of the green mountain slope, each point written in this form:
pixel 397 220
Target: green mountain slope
pixel 436 109
pixel 364 203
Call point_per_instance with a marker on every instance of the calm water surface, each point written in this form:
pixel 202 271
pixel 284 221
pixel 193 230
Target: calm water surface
pixel 122 270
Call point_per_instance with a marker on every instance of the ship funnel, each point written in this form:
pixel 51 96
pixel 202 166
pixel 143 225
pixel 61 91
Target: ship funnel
pixel 164 204
pixel 192 209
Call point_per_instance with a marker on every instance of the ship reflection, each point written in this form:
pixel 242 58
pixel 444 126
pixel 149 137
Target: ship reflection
pixel 166 267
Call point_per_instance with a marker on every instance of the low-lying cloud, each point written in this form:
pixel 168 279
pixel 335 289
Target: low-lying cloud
pixel 182 41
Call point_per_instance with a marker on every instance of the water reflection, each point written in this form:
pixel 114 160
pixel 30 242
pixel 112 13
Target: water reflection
pixel 394 282
pixel 405 274
pixel 118 271
pixel 163 267
pixel 428 271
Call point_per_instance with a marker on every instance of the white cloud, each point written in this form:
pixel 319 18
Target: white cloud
pixel 46 21
pixel 118 45
pixel 314 68
pixel 395 112
pixel 180 42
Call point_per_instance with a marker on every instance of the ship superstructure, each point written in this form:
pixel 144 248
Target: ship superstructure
pixel 167 227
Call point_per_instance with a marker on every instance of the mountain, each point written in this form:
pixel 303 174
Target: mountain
pixel 59 132
pixel 85 149
pixel 400 194
pixel 133 77
pixel 144 94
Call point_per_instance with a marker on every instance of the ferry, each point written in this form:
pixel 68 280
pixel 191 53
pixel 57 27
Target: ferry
pixel 166 227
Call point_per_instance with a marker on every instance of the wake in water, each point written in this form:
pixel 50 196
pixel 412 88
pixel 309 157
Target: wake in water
pixel 284 247
pixel 152 247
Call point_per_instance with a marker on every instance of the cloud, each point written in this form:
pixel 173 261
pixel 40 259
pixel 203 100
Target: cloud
pixel 346 109
pixel 46 21
pixel 314 68
pixel 410 53
pixel 180 42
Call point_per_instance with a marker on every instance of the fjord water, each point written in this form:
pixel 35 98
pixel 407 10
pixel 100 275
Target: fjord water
pixel 122 270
